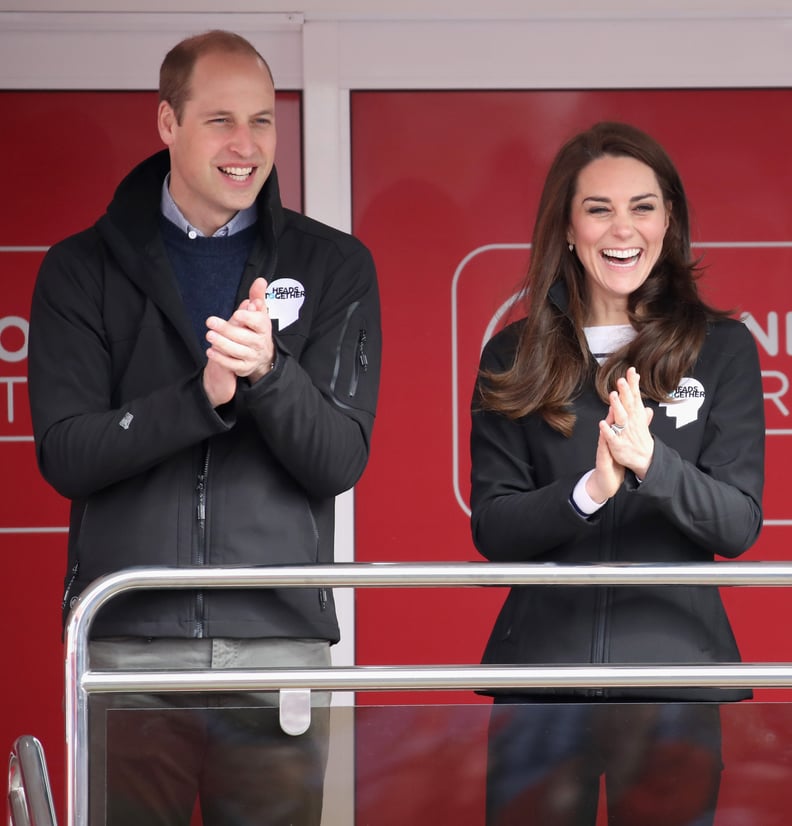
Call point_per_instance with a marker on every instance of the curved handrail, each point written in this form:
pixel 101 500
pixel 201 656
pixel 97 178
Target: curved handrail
pixel 29 796
pixel 80 681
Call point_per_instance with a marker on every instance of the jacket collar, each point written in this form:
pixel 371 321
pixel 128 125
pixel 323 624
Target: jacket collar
pixel 135 207
pixel 130 228
pixel 559 295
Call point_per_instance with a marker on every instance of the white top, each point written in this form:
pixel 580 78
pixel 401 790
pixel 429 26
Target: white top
pixel 603 341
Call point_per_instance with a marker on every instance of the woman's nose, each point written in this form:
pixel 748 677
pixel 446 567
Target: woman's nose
pixel 622 226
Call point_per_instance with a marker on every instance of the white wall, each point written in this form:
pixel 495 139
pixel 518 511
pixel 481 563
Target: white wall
pixel 426 9
pixel 413 43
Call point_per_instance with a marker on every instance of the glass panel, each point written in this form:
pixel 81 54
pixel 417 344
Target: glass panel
pixel 165 748
pixel 423 765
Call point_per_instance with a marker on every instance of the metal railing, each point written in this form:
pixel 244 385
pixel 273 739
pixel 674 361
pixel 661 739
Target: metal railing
pixel 29 795
pixel 80 681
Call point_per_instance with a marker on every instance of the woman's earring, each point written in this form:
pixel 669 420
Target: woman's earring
pixel 571 247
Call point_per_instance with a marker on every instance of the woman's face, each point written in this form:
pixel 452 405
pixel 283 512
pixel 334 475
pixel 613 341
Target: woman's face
pixel 618 222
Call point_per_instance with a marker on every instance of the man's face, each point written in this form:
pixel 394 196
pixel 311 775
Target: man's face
pixel 223 149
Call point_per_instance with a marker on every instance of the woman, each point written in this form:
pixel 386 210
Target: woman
pixel 620 421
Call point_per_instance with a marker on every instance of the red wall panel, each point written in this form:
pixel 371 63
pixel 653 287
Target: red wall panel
pixel 444 191
pixel 65 153
pixel 445 188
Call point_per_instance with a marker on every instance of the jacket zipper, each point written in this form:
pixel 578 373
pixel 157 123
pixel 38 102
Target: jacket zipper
pixel 601 610
pixel 361 362
pixel 322 593
pixel 199 549
pixel 75 570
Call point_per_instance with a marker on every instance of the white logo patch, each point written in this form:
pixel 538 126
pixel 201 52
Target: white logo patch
pixel 685 401
pixel 126 420
pixel 284 298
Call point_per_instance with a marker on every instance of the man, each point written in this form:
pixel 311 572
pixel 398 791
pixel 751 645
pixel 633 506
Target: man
pixel 204 368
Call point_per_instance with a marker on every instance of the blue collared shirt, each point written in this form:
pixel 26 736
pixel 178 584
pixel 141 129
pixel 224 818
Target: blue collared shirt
pixel 242 220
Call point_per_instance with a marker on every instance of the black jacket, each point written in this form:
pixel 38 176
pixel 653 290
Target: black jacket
pixel 701 497
pixel 124 429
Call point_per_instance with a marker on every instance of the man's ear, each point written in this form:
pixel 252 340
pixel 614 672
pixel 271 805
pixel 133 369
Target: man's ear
pixel 166 122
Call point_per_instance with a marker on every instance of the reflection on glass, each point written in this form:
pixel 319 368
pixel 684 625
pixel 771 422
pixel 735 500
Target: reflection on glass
pixel 155 758
pixel 660 764
pixel 425 765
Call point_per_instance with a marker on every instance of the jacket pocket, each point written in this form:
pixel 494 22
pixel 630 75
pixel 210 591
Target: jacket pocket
pixel 360 363
pixel 355 372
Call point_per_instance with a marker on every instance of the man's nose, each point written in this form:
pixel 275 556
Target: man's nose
pixel 242 140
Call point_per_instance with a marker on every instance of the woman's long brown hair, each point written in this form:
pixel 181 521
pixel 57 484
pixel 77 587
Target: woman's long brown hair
pixel 552 359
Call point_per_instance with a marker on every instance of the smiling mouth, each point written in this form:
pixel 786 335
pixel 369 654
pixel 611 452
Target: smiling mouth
pixel 237 173
pixel 622 258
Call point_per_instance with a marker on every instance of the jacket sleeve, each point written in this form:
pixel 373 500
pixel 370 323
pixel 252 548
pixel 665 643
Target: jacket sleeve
pixel 513 517
pixel 83 441
pixel 316 411
pixel 717 500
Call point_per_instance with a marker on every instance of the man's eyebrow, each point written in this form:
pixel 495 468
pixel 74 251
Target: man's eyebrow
pixel 214 113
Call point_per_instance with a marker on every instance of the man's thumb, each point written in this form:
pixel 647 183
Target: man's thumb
pixel 258 290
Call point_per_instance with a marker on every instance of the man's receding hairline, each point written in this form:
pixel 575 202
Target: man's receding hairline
pixel 219 50
pixel 189 84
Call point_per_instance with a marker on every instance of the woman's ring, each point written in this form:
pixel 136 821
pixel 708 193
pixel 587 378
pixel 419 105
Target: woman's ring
pixel 617 428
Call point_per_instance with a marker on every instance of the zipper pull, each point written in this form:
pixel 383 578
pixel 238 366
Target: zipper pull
pixel 200 487
pixel 362 357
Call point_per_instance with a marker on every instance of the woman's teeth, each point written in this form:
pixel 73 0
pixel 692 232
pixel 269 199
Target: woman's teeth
pixel 622 257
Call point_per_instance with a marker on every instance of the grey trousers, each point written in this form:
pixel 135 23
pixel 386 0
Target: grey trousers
pixel 154 758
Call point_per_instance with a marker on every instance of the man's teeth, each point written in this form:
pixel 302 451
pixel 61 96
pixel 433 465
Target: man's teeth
pixel 622 254
pixel 238 173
